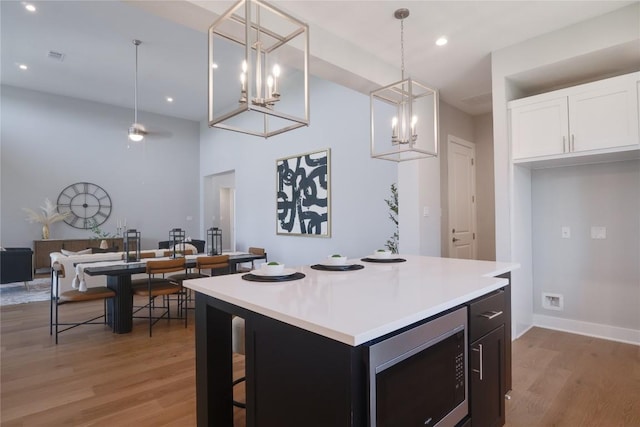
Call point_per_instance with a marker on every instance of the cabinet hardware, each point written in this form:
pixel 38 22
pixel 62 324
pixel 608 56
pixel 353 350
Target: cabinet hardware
pixel 573 143
pixel 491 314
pixel 479 350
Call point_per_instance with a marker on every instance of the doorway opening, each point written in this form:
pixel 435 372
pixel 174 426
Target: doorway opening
pixel 219 200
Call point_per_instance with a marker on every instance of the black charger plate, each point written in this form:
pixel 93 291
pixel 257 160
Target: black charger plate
pixel 350 267
pixel 286 278
pixel 383 260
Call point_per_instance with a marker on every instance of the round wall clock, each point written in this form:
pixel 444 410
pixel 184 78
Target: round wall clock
pixel 88 204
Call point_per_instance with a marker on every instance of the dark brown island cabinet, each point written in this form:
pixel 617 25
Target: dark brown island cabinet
pixel 366 348
pixel 489 358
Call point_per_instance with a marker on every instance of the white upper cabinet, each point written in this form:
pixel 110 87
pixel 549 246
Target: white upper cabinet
pixel 540 128
pixel 594 118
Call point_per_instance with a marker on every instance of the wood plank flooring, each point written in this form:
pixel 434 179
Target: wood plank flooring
pixel 96 378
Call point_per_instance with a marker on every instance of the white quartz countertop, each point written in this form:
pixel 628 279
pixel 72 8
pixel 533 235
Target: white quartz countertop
pixel 357 306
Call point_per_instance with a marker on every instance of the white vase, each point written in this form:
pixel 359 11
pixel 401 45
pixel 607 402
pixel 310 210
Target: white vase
pixel 45 231
pixel 104 245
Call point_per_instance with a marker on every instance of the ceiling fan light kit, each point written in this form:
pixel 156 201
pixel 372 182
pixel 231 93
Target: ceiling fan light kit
pixel 136 130
pixel 404 116
pixel 258 70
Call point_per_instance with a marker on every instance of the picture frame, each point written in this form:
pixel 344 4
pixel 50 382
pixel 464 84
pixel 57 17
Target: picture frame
pixel 303 194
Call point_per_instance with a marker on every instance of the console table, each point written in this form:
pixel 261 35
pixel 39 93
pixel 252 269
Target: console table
pixel 42 248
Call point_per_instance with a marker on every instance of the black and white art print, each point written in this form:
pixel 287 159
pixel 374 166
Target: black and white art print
pixel 303 194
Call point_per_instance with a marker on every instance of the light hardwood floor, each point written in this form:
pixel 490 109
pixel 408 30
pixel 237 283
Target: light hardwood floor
pixel 96 378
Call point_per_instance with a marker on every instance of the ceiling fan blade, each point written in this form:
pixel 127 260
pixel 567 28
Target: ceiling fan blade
pixel 159 134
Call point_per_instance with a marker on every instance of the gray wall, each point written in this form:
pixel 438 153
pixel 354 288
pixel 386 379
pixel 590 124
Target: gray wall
pixel 485 195
pixel 359 184
pixel 599 279
pixel 49 142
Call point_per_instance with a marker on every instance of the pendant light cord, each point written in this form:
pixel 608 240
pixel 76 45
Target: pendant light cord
pixel 402 48
pixel 135 86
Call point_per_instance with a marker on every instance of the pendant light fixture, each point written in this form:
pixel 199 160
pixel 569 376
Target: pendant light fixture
pixel 258 70
pixel 404 115
pixel 136 130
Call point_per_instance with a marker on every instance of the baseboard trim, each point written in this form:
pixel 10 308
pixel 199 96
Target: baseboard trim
pixel 524 331
pixel 596 330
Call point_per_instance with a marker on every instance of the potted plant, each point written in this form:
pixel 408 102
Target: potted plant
pixel 48 215
pixel 392 242
pixel 99 234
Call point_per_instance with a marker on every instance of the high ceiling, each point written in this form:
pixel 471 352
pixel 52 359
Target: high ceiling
pixel 96 40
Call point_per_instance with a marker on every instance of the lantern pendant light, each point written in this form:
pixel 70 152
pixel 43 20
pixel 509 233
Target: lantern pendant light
pixel 404 115
pixel 258 70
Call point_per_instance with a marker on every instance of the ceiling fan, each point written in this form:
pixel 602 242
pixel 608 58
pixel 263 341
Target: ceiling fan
pixel 136 130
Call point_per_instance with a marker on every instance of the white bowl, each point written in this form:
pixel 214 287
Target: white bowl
pixel 272 270
pixel 336 260
pixel 383 254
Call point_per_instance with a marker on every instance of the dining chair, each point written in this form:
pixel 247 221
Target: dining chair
pixel 252 251
pixel 94 293
pixel 214 263
pixel 157 285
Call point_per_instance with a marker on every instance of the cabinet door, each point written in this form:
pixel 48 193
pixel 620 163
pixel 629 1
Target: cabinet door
pixel 76 245
pixel 605 115
pixel 539 129
pixel 41 251
pixel 487 384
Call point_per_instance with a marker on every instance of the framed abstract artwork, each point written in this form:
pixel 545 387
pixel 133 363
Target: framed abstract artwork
pixel 303 194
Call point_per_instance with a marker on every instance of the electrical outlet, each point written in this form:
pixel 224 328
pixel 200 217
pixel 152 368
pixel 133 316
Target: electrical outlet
pixel 552 301
pixel 598 232
pixel 566 232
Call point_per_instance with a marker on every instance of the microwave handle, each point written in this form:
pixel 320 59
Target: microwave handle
pixel 479 350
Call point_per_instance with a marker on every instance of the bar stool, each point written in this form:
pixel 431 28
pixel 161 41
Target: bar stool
pixel 237 346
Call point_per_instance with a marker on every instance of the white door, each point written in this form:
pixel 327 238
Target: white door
pixel 462 195
pixel 228 218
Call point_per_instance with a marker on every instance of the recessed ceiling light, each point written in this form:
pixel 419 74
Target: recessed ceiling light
pixel 442 41
pixel 169 99
pixel 23 66
pixel 29 7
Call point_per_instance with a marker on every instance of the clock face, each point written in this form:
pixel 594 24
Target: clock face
pixel 86 202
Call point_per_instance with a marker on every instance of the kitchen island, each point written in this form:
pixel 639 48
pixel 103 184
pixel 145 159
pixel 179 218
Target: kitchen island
pixel 306 339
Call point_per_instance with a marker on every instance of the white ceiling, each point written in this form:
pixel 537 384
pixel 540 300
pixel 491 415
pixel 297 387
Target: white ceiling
pixel 96 36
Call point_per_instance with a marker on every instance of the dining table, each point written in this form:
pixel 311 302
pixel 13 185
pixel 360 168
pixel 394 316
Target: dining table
pixel 120 308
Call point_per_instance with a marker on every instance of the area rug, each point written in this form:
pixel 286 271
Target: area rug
pixel 16 293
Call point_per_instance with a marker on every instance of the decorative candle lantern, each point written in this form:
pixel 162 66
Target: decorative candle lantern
pixel 177 237
pixel 214 240
pixel 131 240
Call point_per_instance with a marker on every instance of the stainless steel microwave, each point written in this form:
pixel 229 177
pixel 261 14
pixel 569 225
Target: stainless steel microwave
pixel 419 377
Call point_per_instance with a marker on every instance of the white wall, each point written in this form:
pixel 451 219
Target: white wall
pixel 49 142
pixel 359 184
pixel 512 186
